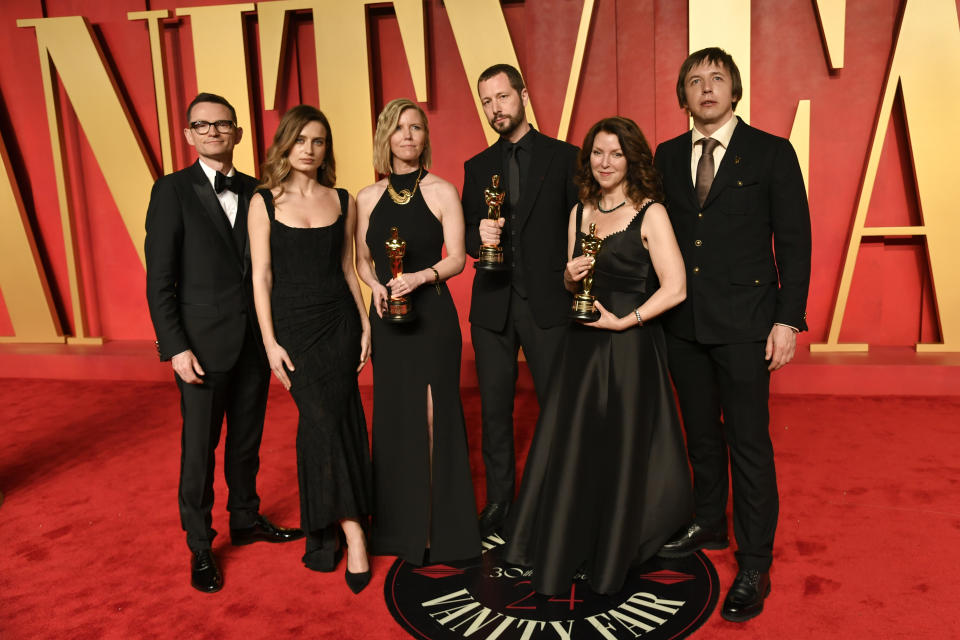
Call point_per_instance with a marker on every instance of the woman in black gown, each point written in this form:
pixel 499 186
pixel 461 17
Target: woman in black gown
pixel 315 332
pixel 423 491
pixel 606 481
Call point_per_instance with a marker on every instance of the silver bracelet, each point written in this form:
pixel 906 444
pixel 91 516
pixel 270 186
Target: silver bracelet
pixel 636 312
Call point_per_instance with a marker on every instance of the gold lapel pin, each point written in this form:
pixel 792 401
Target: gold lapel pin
pixel 736 160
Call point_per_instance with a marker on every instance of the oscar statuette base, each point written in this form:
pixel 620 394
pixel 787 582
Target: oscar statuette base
pixel 399 311
pixel 583 308
pixel 491 259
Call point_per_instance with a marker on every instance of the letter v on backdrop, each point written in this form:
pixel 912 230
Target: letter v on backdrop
pixel 68 48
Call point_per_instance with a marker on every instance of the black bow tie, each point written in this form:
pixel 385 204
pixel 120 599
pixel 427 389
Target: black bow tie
pixel 221 182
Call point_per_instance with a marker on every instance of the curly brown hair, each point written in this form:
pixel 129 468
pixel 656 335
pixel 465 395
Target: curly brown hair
pixel 642 179
pixel 276 167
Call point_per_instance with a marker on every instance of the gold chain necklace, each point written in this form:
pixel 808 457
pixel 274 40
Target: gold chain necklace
pixel 405 195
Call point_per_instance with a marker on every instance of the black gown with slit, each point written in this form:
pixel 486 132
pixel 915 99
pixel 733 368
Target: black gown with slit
pixel 417 504
pixel 606 481
pixel 316 320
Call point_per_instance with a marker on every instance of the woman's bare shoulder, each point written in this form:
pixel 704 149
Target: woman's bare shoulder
pixel 433 183
pixel 371 192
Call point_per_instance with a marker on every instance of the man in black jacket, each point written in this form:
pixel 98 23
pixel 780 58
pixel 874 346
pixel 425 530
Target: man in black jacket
pixel 201 303
pixel 739 210
pixel 525 306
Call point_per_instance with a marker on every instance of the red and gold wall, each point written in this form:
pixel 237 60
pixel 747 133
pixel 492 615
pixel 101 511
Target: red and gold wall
pixel 92 95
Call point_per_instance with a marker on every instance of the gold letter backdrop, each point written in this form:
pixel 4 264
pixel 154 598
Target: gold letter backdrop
pixel 92 119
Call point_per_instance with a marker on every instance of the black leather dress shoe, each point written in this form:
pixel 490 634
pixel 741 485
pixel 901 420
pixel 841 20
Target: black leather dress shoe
pixel 492 517
pixel 694 538
pixel 745 598
pixel 264 531
pixel 204 573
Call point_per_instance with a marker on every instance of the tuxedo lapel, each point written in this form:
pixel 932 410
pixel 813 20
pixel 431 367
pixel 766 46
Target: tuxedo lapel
pixel 210 206
pixel 539 163
pixel 727 169
pixel 240 224
pixel 680 171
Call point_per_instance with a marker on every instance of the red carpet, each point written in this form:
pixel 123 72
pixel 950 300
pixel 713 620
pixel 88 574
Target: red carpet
pixel 92 548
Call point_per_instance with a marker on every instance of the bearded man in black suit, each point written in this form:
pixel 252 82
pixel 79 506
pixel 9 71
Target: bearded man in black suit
pixel 525 306
pixel 739 210
pixel 201 302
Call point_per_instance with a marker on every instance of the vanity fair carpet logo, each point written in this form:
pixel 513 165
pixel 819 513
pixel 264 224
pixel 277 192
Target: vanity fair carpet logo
pixel 487 599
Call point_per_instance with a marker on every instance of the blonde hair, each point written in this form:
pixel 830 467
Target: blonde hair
pixel 276 167
pixel 386 125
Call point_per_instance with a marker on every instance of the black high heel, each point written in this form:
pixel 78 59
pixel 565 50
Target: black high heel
pixel 357 581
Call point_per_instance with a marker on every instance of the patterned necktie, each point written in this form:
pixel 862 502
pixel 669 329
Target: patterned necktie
pixel 705 168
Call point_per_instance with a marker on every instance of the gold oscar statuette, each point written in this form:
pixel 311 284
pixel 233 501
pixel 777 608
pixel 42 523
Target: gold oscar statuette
pixel 491 255
pixel 584 308
pixel 399 309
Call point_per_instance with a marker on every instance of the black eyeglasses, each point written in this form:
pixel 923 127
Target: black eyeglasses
pixel 202 126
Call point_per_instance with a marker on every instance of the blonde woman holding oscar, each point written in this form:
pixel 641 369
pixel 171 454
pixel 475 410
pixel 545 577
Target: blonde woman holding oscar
pixel 424 507
pixel 316 333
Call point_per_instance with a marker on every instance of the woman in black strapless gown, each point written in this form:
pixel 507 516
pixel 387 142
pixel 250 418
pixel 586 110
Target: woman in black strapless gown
pixel 422 484
pixel 316 333
pixel 606 481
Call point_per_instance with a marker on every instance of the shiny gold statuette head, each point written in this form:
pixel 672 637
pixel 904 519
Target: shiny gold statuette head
pixel 493 196
pixel 491 255
pixel 399 308
pixel 584 307
pixel 396 247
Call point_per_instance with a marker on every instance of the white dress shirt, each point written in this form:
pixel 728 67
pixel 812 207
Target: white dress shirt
pixel 721 135
pixel 228 199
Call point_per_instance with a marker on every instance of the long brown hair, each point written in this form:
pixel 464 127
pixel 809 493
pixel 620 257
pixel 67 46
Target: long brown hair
pixel 276 167
pixel 643 179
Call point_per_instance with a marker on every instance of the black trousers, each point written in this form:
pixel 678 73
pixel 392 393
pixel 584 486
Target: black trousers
pixel 496 354
pixel 724 393
pixel 240 394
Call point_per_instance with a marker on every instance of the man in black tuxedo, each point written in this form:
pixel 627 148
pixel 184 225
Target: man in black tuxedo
pixel 201 303
pixel 739 210
pixel 527 305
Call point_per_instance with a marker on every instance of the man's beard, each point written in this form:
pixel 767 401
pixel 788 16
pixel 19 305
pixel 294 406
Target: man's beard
pixel 508 126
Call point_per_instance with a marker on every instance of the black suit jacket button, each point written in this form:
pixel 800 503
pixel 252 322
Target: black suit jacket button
pixel 739 183
pixel 698 242
pixel 696 269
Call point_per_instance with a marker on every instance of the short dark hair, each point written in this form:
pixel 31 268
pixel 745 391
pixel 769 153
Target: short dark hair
pixel 717 56
pixel 211 97
pixel 642 179
pixel 516 80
